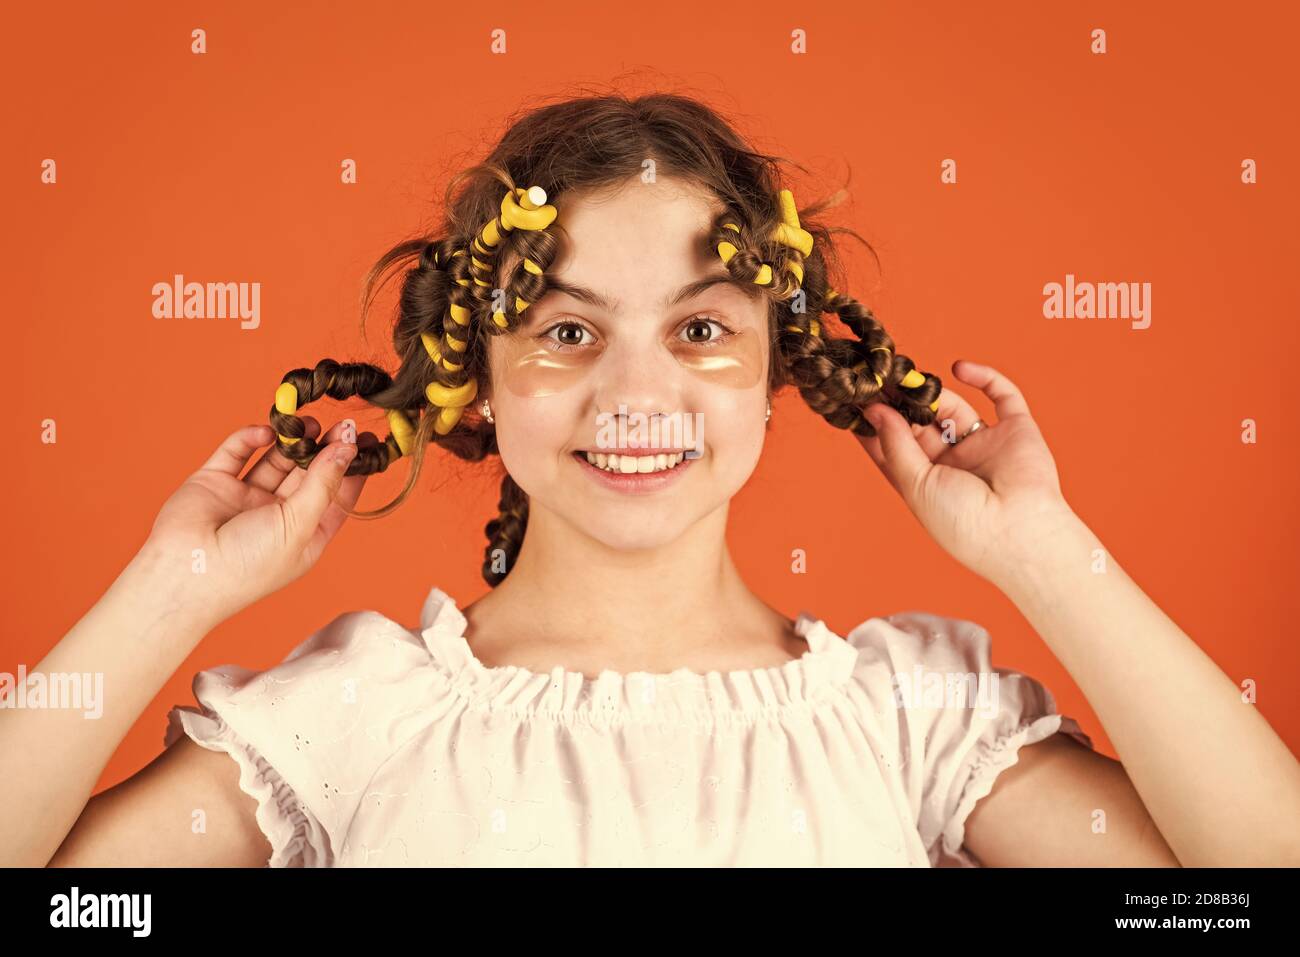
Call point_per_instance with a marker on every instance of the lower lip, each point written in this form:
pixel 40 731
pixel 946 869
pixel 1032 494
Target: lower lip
pixel 635 482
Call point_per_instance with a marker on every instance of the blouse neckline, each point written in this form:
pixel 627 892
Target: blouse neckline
pixel 681 694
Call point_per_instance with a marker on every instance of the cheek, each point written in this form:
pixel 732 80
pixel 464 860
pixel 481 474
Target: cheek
pixel 534 434
pixel 733 429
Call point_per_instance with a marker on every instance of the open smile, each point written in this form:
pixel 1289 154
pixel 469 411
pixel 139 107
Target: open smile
pixel 647 471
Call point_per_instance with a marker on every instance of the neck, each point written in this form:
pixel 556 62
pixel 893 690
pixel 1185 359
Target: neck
pixel 581 597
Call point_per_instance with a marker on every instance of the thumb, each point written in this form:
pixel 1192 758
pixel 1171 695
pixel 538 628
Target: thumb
pixel 904 462
pixel 304 508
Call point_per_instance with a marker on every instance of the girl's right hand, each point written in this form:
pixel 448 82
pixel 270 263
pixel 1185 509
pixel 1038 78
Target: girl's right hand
pixel 260 532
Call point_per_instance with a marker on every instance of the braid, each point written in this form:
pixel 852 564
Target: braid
pixel 449 283
pixel 913 393
pixel 423 289
pixel 453 387
pixel 527 219
pixel 837 377
pixel 526 282
pixel 506 531
pixel 423 298
pixel 338 381
pixel 450 386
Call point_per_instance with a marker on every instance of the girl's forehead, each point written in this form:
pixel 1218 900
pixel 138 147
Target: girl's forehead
pixel 636 238
pixel 662 209
pixel 637 242
pixel 677 288
pixel 641 263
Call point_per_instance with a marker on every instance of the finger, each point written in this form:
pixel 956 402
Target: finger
pixel 273 468
pixel 953 419
pixel 953 405
pixel 304 509
pixel 1007 399
pixel 295 478
pixel 346 499
pixel 871 443
pixel 269 471
pixel 929 437
pixel 350 488
pixel 902 459
pixel 233 453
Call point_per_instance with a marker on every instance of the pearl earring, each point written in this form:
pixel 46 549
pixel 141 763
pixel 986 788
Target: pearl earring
pixel 769 411
pixel 487 411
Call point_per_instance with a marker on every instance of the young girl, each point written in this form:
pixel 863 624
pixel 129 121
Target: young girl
pixel 620 697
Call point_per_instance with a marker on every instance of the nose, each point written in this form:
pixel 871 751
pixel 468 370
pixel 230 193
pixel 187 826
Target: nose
pixel 639 374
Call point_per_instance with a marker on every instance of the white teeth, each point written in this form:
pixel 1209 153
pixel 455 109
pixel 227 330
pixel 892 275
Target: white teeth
pixel 628 464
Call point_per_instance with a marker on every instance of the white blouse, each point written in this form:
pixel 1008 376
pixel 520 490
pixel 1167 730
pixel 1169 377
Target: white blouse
pixel 375 745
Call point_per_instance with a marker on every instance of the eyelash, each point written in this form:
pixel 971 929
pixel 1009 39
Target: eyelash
pixel 569 347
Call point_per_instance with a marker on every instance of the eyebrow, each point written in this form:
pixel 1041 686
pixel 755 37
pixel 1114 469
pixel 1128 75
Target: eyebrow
pixel 594 298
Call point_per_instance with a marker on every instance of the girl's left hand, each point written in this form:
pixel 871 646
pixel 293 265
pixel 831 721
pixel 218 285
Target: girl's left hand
pixel 990 499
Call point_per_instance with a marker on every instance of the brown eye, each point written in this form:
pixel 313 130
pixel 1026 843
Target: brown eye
pixel 697 330
pixel 566 335
pixel 575 334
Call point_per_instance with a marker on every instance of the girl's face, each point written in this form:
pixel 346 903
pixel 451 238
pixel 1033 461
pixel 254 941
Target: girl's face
pixel 627 343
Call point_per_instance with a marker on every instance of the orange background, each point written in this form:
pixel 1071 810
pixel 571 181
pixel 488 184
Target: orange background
pixel 225 167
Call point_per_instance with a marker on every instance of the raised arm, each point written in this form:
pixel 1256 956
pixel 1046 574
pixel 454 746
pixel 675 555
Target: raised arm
pixel 1213 779
pixel 219 544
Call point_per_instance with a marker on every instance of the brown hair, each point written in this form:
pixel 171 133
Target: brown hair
pixel 581 144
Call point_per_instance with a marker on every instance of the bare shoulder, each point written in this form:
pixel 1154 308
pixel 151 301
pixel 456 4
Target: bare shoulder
pixel 183 809
pixel 1063 804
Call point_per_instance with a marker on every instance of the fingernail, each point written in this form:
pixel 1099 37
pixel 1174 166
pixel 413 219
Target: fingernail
pixel 349 432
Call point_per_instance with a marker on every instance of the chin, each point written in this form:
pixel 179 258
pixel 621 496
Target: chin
pixel 627 529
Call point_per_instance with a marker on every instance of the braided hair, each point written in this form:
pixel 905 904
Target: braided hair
pixel 455 294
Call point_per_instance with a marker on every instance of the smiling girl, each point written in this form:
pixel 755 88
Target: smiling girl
pixel 620 696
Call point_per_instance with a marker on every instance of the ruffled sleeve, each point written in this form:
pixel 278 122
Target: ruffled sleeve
pixel 309 733
pixel 959 721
